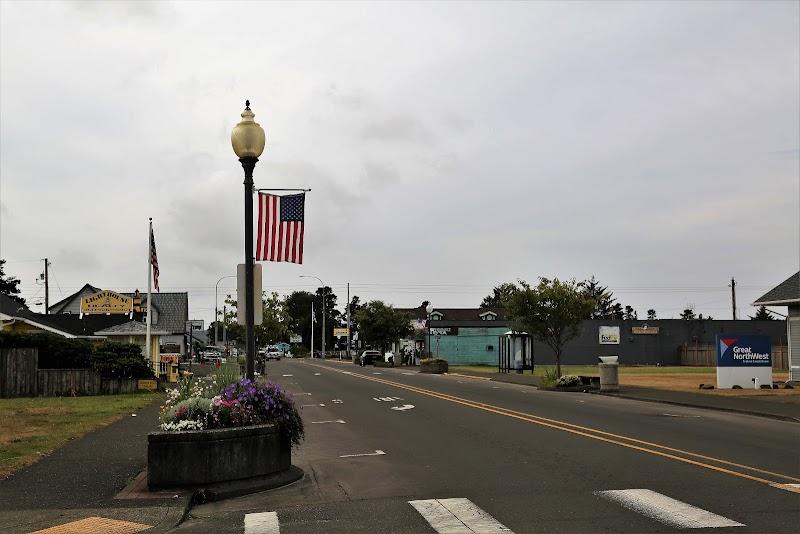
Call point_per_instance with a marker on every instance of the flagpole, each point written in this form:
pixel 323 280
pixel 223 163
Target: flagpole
pixel 149 291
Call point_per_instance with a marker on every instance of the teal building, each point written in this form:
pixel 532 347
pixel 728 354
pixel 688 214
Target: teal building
pixel 463 335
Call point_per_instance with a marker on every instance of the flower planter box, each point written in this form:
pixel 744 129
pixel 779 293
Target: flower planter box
pixel 200 457
pixel 435 367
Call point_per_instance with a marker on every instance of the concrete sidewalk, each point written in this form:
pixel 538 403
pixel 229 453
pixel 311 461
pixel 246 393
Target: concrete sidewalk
pixel 777 407
pixel 81 479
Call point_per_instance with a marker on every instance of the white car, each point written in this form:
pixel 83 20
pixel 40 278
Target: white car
pixel 273 355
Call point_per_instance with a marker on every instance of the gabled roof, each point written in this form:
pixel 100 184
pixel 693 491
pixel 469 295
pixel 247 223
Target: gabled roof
pixel 455 314
pixel 61 304
pixel 173 310
pixel 13 308
pixel 76 325
pixel 787 292
pixel 132 328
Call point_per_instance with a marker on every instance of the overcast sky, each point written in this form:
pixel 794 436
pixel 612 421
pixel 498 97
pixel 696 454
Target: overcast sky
pixel 449 147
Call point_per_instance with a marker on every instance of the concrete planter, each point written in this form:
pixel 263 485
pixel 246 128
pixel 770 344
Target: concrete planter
pixel 434 367
pixel 204 457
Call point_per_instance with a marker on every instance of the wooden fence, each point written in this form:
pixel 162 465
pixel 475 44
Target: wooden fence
pixel 19 377
pixel 706 356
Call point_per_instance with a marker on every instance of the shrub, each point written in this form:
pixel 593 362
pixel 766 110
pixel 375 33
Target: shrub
pixel 432 361
pixel 568 381
pixel 120 360
pixel 55 352
pixel 549 378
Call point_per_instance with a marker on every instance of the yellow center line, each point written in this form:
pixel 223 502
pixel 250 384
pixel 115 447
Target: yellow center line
pixel 589 432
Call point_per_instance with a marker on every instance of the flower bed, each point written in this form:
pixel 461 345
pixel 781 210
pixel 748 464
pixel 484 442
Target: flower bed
pixel 212 433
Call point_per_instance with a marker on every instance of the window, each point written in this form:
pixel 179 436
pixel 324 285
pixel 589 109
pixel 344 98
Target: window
pixel 489 347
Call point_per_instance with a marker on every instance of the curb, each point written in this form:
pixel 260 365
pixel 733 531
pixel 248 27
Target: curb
pixel 175 514
pixel 705 407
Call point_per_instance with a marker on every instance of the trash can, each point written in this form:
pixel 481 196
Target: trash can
pixel 609 373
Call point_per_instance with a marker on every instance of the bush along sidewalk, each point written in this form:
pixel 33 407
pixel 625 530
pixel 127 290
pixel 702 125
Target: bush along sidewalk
pixel 433 365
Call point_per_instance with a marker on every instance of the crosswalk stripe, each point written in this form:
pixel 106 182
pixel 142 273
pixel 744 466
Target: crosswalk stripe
pixel 457 516
pixel 667 510
pixel 262 523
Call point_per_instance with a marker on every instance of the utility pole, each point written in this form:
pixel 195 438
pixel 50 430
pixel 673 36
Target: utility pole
pixel 46 288
pixel 312 328
pixel 349 357
pixel 225 327
pixel 733 297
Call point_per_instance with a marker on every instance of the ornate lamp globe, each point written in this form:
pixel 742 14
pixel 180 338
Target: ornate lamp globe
pixel 429 308
pixel 248 137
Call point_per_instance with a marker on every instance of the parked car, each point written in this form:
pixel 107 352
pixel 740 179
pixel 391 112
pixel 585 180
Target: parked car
pixel 368 357
pixel 273 354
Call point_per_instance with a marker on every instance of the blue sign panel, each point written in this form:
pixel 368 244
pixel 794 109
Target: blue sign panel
pixel 744 351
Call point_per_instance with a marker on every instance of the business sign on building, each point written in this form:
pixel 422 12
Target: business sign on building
pixel 295 338
pixel 743 361
pixel 106 303
pixel 340 332
pixel 609 335
pixel 194 325
pixel 644 330
pixel 444 331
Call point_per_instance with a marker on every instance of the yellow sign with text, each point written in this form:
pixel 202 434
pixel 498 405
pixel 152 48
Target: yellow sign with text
pixel 106 302
pixel 147 385
pixel 340 332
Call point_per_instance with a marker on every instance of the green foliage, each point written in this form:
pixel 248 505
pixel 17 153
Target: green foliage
pixel 651 315
pixel 688 314
pixel 500 296
pixel 227 374
pixel 120 360
pixel 380 324
pixel 9 285
pixel 568 381
pixel 763 314
pixel 110 359
pixel 55 352
pixel 549 378
pixel 551 312
pixel 434 361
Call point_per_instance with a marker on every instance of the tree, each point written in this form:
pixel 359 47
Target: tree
pixel 499 297
pixel 9 285
pixel 380 324
pixel 331 316
pixel 602 298
pixel 298 311
pixel 630 314
pixel 551 312
pixel 763 314
pixel 688 314
pixel 651 314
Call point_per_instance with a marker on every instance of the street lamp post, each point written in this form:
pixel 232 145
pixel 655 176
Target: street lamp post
pixel 248 140
pixel 429 309
pixel 324 333
pixel 216 310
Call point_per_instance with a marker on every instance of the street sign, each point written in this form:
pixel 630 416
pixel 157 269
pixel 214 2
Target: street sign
pixel 241 305
pixel 295 338
pixel 195 325
pixel 340 332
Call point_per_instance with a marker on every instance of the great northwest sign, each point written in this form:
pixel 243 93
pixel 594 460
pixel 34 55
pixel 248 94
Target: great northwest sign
pixel 741 359
pixel 444 331
pixel 106 302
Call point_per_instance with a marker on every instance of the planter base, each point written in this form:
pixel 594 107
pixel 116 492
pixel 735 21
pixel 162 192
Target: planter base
pixel 237 488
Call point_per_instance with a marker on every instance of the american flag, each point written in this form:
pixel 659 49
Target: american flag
pixel 154 259
pixel 280 227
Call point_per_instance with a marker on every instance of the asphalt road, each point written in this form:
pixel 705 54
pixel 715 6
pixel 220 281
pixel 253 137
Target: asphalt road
pixel 512 457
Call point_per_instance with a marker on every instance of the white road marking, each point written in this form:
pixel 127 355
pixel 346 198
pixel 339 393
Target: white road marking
pixel 321 422
pixel 262 523
pixel 409 374
pixel 314 405
pixel 667 510
pixel 387 399
pixel 495 387
pixel 377 373
pixel 457 516
pixel 287 375
pixel 403 407
pixel 678 415
pixel 337 401
pixel 317 374
pixel 376 453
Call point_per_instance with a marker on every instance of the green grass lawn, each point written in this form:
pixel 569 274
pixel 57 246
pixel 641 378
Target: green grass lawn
pixel 33 427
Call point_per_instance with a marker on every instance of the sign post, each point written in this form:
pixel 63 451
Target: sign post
pixel 744 361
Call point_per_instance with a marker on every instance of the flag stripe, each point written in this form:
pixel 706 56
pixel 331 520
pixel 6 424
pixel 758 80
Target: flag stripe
pixel 280 228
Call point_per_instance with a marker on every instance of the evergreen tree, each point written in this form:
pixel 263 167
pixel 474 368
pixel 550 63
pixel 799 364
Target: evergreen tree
pixel 651 314
pixel 9 285
pixel 763 314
